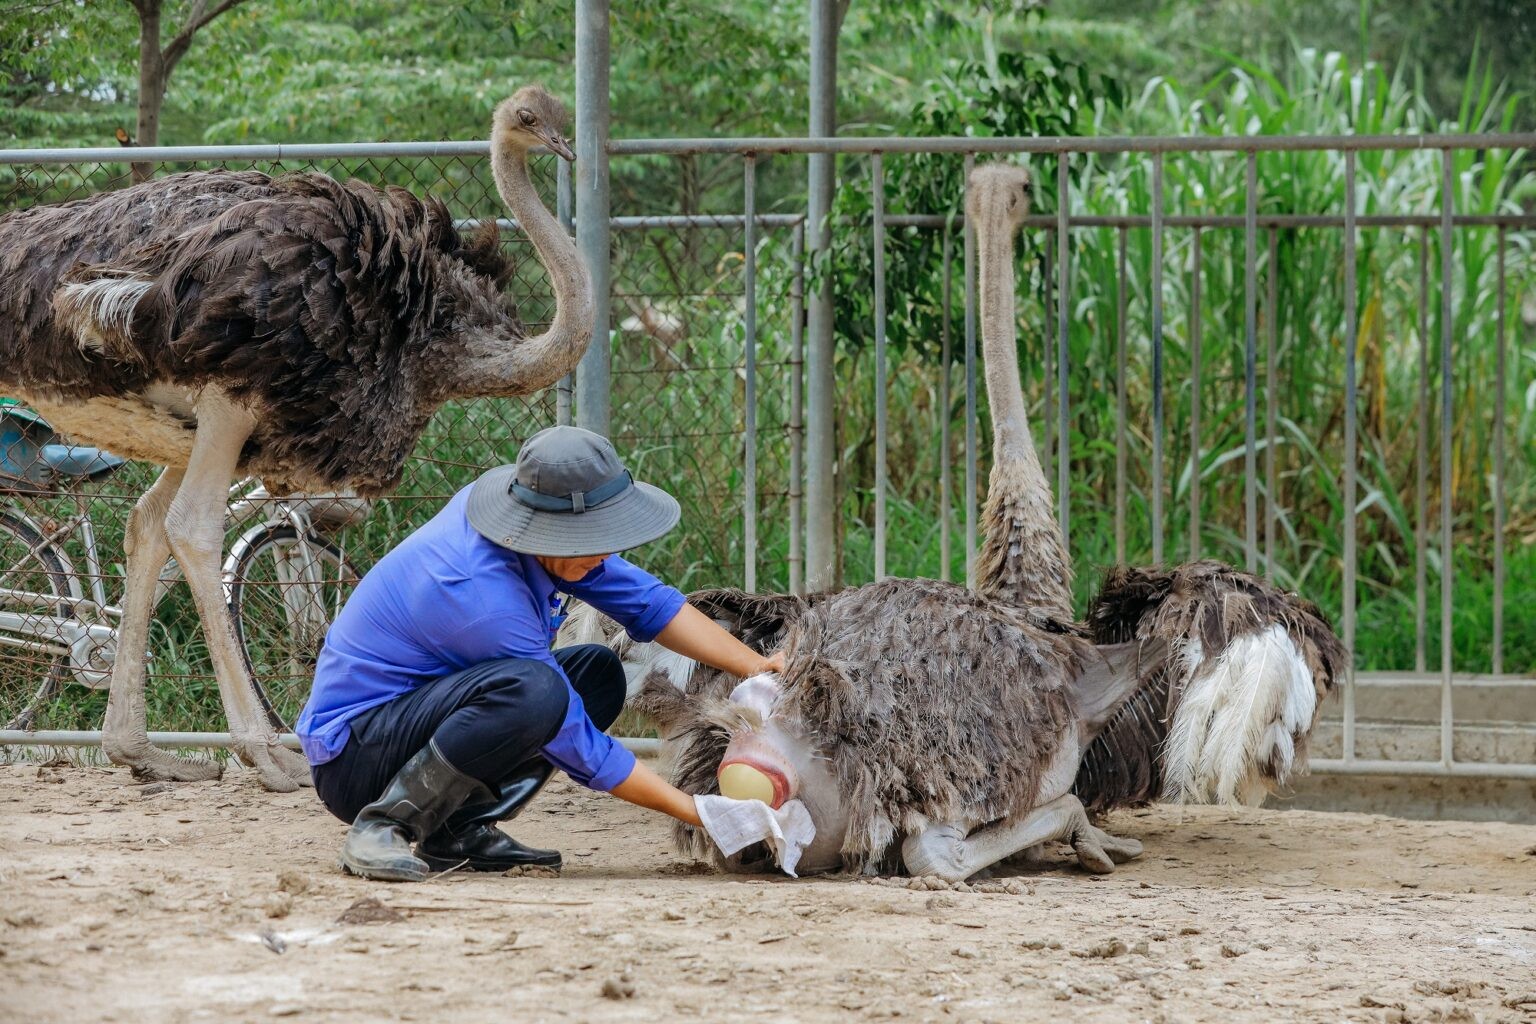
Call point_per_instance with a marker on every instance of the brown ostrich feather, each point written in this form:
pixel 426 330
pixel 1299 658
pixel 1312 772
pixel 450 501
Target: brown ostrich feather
pixel 321 302
pixel 931 703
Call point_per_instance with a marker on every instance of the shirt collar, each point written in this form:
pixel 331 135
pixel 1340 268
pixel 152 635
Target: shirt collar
pixel 539 581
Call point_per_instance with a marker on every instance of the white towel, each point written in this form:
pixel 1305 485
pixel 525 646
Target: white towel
pixel 736 824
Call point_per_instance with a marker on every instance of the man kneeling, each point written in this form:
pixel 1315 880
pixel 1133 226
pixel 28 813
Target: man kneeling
pixel 438 708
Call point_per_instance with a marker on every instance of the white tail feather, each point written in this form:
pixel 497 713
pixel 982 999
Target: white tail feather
pixel 1234 730
pixel 99 313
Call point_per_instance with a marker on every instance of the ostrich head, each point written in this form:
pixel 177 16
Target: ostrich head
pixel 998 190
pixel 532 117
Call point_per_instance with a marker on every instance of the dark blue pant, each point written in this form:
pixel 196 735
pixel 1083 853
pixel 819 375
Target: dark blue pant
pixel 489 721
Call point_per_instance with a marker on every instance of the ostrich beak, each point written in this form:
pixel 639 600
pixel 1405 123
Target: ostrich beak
pixel 558 146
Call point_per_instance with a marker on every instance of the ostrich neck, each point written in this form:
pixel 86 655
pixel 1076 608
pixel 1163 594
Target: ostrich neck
pixel 500 361
pixel 1023 561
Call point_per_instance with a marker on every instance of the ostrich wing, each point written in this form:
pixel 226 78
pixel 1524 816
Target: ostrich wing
pixel 1226 689
pixel 321 306
pixel 41 245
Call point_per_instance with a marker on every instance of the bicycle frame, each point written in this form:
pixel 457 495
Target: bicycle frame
pixel 88 635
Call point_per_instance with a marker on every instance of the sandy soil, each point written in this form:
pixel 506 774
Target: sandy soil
pixel 220 902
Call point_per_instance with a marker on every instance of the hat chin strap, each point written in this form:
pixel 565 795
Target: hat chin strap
pixel 576 502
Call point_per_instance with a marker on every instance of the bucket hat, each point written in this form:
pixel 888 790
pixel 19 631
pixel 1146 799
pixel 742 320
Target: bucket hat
pixel 568 495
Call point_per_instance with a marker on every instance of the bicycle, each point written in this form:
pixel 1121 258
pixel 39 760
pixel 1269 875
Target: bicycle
pixel 285 577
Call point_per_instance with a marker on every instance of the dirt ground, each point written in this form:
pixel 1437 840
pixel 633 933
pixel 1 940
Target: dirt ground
pixel 220 902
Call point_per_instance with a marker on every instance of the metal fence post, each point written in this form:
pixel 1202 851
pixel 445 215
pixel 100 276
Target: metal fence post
pixel 594 396
pixel 877 186
pixel 565 201
pixel 820 451
pixel 749 364
pixel 1351 456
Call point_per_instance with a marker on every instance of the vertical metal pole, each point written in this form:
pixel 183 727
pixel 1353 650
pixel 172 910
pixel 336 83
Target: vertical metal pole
pixel 1421 473
pixel 1271 403
pixel 970 385
pixel 945 307
pixel 1157 358
pixel 877 185
pixel 1350 345
pixel 1048 358
pixel 594 395
pixel 820 479
pixel 749 354
pixel 1447 568
pixel 565 202
pixel 1250 378
pixel 1194 400
pixel 797 413
pixel 1498 477
pixel 1121 430
pixel 1063 353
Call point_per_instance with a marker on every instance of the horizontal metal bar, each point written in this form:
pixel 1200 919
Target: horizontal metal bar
pixel 89 738
pixel 1456 769
pixel 184 154
pixel 841 144
pixel 681 220
pixel 1270 220
pixel 1388 677
pixel 1076 144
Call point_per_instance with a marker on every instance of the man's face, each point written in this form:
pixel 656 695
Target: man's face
pixel 570 569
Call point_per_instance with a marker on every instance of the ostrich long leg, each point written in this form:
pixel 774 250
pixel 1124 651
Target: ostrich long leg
pixel 195 528
pixel 946 851
pixel 123 736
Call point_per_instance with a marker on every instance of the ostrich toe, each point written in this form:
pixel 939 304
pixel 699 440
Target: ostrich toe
pixel 1099 852
pixel 154 765
pixel 278 768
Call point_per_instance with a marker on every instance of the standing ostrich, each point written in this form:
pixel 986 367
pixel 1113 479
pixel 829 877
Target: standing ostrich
pixel 941 730
pixel 294 328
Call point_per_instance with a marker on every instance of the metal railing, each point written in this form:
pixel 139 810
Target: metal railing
pixel 771 461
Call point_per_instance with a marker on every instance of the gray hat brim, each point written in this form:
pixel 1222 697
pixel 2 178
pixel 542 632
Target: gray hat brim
pixel 637 516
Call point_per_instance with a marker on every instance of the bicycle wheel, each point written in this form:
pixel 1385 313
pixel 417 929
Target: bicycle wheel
pixel 34 659
pixel 284 591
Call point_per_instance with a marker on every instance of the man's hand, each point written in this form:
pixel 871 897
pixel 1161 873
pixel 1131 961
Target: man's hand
pixel 773 663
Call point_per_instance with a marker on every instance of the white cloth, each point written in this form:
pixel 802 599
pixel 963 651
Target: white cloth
pixel 736 824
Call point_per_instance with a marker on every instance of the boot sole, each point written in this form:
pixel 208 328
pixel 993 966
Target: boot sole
pixel 472 864
pixel 384 874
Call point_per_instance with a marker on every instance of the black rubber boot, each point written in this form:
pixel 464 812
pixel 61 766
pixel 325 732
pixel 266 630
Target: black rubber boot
pixel 416 802
pixel 470 837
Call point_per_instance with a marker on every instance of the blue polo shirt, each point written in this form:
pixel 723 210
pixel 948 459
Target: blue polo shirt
pixel 446 599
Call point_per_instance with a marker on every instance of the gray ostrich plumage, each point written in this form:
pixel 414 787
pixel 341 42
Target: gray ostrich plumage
pixel 297 328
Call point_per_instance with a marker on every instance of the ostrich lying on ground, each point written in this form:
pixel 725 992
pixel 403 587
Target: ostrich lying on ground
pixel 941 730
pixel 294 328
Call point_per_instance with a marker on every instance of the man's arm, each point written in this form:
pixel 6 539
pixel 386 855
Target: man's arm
pixel 645 788
pixel 695 635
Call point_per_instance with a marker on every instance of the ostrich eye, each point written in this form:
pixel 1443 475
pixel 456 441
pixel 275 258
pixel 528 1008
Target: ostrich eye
pixel 527 117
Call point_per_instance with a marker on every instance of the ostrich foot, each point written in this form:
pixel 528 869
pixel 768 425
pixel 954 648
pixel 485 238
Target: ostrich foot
pixel 1099 852
pixel 151 764
pixel 949 853
pixel 278 768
